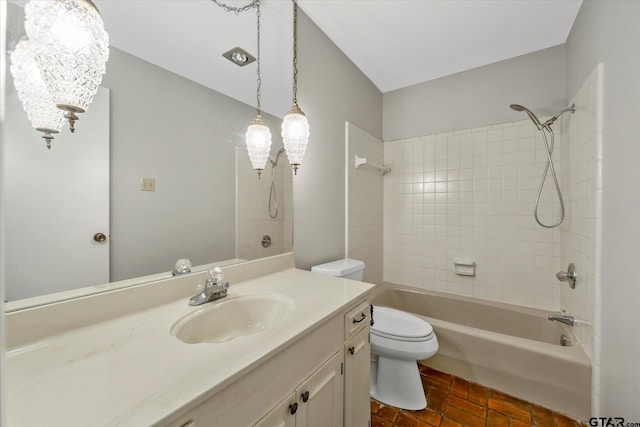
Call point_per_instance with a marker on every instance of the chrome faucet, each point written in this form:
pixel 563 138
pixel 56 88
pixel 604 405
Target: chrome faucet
pixel 562 318
pixel 213 288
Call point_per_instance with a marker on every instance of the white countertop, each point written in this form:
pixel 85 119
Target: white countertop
pixel 131 371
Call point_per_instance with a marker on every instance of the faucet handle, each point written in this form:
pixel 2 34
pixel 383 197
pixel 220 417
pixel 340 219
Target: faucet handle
pixel 568 276
pixel 182 266
pixel 215 274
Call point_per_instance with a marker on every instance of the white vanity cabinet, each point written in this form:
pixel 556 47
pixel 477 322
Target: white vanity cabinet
pixel 93 345
pixel 357 355
pixel 357 407
pixel 314 382
pixel 320 397
pixel 317 402
pixel 283 415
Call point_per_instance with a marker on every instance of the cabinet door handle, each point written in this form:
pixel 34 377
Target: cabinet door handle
pixel 356 348
pixel 305 396
pixel 293 408
pixel 364 316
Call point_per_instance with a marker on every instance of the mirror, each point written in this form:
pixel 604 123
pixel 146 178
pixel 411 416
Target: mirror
pixel 208 204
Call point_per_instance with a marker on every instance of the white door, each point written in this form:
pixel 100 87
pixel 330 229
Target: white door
pixel 55 202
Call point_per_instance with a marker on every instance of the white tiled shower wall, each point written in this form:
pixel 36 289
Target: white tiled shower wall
pixel 581 231
pixel 470 194
pixel 364 201
pixel 252 197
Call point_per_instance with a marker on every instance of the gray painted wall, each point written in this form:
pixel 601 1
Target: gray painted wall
pixel 3 78
pixel 331 90
pixel 609 32
pixel 478 97
pixel 166 127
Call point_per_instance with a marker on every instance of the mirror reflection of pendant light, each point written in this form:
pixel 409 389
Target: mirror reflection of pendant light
pixel 295 126
pixel 71 50
pixel 258 137
pixel 36 100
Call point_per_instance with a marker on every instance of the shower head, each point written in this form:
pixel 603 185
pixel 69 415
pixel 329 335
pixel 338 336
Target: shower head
pixel 274 158
pixel 535 120
pixel 532 116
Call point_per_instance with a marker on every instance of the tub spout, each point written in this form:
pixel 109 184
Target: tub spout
pixel 567 320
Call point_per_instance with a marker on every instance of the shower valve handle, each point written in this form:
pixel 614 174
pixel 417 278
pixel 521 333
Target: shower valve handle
pixel 568 276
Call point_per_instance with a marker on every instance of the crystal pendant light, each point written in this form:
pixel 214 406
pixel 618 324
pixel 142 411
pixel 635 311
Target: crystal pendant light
pixel 36 100
pixel 258 137
pixel 295 126
pixel 71 50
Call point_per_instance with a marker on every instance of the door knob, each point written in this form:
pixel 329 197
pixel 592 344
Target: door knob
pixel 99 237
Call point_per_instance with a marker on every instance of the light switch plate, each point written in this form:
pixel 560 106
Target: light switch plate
pixel 147 184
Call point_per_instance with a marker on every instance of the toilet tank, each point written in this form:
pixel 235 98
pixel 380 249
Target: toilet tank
pixel 347 268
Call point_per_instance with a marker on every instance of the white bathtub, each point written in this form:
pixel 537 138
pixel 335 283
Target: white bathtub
pixel 510 348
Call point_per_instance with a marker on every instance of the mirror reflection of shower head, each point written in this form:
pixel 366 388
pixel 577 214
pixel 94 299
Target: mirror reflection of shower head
pixel 273 196
pixel 274 159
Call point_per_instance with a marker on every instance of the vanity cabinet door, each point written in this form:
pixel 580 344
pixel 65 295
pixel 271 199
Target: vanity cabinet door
pixel 357 360
pixel 320 397
pixel 283 415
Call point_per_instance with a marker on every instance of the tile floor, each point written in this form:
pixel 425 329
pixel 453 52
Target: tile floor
pixel 455 402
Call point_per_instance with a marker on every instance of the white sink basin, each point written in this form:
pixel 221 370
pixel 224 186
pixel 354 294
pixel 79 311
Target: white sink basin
pixel 233 317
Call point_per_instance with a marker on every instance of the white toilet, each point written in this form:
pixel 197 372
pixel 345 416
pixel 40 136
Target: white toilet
pixel 398 341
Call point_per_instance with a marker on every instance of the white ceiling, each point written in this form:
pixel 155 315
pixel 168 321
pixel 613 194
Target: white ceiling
pixel 396 43
pixel 188 37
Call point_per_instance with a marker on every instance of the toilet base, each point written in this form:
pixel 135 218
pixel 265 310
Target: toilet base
pixel 397 383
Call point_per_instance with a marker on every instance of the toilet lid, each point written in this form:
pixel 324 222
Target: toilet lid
pixel 396 323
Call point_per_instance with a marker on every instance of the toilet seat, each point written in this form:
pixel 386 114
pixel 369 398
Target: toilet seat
pixel 400 338
pixel 399 325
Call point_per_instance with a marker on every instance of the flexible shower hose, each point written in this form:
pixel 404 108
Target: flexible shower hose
pixel 549 165
pixel 272 192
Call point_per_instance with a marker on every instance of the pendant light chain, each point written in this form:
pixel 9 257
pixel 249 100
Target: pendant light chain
pixel 295 52
pixel 258 136
pixel 237 10
pixel 259 82
pixel 295 126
